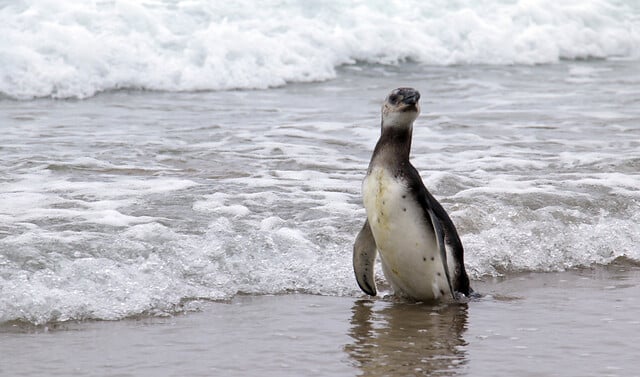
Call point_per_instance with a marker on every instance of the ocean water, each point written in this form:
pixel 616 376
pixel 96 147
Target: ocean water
pixel 156 155
pixel 74 49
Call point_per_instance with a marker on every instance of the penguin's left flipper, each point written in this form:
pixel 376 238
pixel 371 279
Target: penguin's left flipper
pixel 364 258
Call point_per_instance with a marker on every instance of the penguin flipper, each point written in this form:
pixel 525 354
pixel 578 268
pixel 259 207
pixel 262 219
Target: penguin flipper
pixel 453 245
pixel 364 257
pixel 439 233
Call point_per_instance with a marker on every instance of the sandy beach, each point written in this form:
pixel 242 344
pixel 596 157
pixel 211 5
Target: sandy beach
pixel 577 323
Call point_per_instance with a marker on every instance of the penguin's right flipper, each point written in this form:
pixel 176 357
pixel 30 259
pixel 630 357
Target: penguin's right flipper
pixel 364 258
pixel 439 234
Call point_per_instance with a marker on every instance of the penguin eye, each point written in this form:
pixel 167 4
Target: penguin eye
pixel 393 98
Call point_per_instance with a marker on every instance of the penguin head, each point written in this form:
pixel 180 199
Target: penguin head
pixel 400 108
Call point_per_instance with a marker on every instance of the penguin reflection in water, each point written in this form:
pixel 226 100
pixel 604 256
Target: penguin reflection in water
pixel 420 250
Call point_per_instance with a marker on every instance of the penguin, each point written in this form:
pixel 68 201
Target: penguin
pixel 420 251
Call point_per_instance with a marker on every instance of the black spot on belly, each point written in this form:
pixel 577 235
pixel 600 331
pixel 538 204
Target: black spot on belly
pixel 424 259
pixel 439 274
pixel 404 196
pixel 432 258
pixel 442 292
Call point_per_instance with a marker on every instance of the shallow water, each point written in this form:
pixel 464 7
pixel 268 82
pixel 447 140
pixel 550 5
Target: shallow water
pixel 561 324
pixel 580 323
pixel 142 202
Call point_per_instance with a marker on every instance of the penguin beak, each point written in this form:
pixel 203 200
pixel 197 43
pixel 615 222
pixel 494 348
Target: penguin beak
pixel 411 97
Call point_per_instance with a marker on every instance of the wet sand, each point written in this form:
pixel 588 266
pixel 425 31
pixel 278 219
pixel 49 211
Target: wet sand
pixel 577 323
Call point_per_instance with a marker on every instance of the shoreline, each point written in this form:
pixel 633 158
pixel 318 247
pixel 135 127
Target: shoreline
pixel 575 323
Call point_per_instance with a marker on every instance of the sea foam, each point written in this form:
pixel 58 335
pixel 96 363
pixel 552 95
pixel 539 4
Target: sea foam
pixel 66 49
pixel 146 203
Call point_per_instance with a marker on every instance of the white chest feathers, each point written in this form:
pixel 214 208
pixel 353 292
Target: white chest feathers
pixel 411 260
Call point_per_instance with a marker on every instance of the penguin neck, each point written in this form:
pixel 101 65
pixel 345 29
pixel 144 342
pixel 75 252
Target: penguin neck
pixel 394 146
